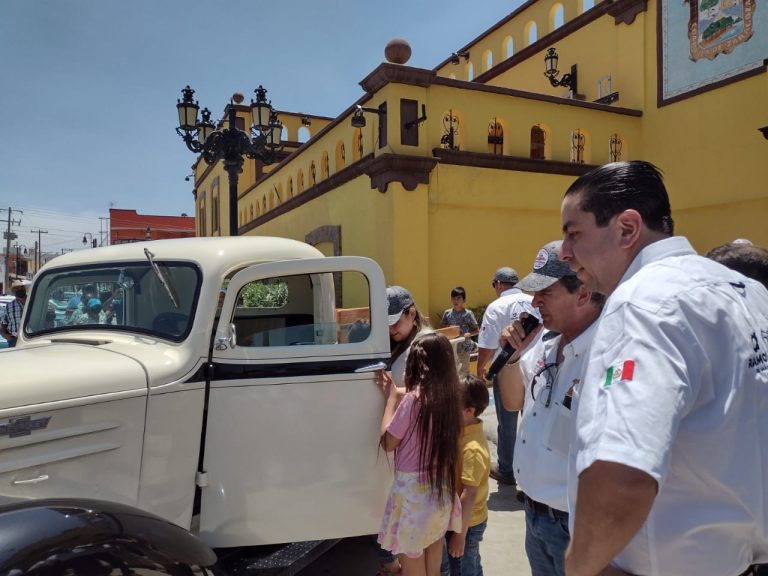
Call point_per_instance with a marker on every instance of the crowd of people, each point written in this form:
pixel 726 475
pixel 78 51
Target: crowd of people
pixel 632 419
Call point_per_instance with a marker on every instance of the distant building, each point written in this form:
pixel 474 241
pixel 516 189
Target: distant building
pixel 129 226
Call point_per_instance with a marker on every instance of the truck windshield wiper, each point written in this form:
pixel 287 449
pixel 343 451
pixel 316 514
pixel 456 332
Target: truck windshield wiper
pixel 161 276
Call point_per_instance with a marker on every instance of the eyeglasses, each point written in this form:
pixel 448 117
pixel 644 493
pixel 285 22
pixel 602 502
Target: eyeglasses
pixel 550 372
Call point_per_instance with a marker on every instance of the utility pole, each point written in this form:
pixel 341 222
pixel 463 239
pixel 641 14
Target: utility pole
pixel 8 237
pixel 106 232
pixel 39 258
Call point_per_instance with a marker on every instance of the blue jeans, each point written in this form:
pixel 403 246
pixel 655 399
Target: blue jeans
pixel 546 539
pixel 507 434
pixel 469 563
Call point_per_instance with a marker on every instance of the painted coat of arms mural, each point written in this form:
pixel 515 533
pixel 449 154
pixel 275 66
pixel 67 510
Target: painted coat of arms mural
pixel 704 44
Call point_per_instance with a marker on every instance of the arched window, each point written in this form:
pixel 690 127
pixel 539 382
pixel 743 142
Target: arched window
pixel 470 71
pixel 312 174
pixel 495 137
pixel 487 60
pixel 615 148
pixel 508 47
pixel 278 194
pixel 341 155
pixel 538 142
pixel 585 5
pixel 263 204
pixel 201 219
pixel 531 33
pixel 251 211
pixel 579 145
pixel 556 17
pixel 324 168
pixel 304 134
pixel 300 182
pixel 290 188
pixel 284 134
pixel 357 149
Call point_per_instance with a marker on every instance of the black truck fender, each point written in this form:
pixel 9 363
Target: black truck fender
pixel 93 537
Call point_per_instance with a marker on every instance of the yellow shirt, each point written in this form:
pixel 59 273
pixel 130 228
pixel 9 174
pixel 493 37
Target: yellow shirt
pixel 475 467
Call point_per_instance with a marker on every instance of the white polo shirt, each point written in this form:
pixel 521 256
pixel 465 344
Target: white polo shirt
pixel 544 433
pixel 676 385
pixel 501 313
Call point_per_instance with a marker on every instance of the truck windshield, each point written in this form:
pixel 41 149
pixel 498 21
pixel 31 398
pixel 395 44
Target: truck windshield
pixel 127 297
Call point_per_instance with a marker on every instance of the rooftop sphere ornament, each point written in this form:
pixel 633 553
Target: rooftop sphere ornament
pixel 397 51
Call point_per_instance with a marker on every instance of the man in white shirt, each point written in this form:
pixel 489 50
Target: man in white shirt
pixel 670 446
pixel 509 304
pixel 541 383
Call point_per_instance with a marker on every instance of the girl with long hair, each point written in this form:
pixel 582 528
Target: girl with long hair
pixel 423 427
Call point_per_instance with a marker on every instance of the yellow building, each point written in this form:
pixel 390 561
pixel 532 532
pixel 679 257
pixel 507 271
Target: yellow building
pixel 461 169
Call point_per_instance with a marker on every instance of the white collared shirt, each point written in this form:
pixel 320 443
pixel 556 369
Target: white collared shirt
pixel 544 433
pixel 501 313
pixel 676 385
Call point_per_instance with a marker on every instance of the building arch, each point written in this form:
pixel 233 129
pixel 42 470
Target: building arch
pixel 284 134
pixel 300 181
pixel 617 148
pixel 251 210
pixel 541 142
pixel 264 204
pixel 487 60
pixel 531 33
pixel 341 155
pixel 279 193
pixel 470 71
pixel 325 169
pixel 580 146
pixel 508 47
pixel 357 145
pixel 304 134
pixel 585 5
pixel 556 16
pixel 289 187
pixel 495 136
pixel 312 174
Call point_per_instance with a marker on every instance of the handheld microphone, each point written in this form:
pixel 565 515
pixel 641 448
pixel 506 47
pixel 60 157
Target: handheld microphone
pixel 529 323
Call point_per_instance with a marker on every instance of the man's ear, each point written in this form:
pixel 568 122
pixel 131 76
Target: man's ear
pixel 629 224
pixel 583 295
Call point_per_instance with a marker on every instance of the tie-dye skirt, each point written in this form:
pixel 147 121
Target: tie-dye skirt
pixel 414 518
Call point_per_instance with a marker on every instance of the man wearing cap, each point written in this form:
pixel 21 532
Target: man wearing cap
pixel 509 304
pixel 11 321
pixel 541 384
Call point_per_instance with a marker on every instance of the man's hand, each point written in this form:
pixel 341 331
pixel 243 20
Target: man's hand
pixel 514 335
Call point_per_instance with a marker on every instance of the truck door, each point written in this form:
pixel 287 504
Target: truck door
pixel 291 447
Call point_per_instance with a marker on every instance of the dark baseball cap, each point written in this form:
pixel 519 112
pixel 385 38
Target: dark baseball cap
pixel 547 269
pixel 506 275
pixel 399 300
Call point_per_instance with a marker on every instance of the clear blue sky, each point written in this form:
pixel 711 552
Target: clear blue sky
pixel 88 88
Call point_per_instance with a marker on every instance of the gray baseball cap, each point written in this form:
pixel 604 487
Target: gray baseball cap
pixel 547 269
pixel 506 275
pixel 399 300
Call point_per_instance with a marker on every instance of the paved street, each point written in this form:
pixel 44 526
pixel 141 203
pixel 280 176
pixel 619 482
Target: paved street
pixel 502 549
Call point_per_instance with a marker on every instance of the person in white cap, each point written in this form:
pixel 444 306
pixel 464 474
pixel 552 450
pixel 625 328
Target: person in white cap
pixel 406 322
pixel 671 458
pixel 540 379
pixel 509 304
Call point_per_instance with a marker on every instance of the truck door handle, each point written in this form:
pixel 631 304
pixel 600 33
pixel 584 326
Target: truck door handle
pixel 41 478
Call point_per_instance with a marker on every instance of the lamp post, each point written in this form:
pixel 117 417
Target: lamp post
pixel 551 72
pixel 18 257
pixel 91 240
pixel 230 144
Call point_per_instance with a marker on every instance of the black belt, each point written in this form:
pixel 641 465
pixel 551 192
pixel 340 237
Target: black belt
pixel 542 508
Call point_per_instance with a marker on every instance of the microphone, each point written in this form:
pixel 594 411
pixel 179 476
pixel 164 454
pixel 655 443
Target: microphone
pixel 529 323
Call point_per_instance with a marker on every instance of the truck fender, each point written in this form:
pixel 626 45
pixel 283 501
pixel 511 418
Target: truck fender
pixel 78 536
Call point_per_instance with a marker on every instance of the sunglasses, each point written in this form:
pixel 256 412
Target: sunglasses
pixel 550 372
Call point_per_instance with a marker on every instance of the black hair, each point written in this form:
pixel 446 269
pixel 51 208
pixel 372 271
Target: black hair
pixel 459 292
pixel 752 261
pixel 474 393
pixel 572 283
pixel 612 188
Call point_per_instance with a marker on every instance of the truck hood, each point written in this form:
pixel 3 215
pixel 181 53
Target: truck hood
pixel 63 371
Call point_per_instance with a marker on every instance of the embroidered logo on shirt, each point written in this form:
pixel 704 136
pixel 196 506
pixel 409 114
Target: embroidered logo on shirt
pixel 622 372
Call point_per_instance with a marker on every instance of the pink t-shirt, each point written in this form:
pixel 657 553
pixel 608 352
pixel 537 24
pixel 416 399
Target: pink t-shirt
pixel 403 426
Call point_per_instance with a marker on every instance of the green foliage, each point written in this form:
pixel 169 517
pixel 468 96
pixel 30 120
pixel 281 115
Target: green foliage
pixel 707 4
pixel 478 311
pixel 261 295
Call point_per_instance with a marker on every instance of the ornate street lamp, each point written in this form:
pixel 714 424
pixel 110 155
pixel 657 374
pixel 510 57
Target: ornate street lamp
pixel 89 239
pixel 551 72
pixel 230 144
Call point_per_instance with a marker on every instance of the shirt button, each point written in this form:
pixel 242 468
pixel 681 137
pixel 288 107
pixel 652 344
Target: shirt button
pixel 534 413
pixel 523 441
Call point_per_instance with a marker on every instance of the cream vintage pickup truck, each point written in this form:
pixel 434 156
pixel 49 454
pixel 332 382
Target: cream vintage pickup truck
pixel 214 386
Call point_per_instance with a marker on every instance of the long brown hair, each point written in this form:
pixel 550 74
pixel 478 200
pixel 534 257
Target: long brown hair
pixel 431 368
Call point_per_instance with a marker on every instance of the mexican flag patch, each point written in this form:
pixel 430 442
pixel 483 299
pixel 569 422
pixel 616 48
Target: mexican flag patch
pixel 623 371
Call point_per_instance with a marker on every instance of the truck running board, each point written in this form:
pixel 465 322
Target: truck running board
pixel 278 560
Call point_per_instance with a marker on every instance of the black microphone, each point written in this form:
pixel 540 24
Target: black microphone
pixel 529 323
